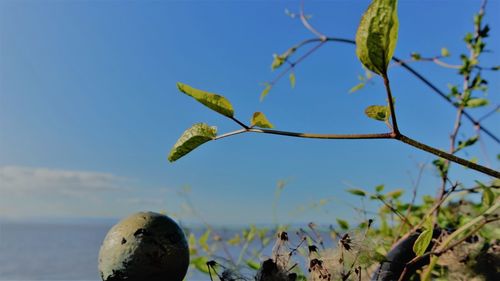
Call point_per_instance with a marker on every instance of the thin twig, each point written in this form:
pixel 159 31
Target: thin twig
pixel 493 111
pixel 307 25
pixel 393 210
pixel 405 66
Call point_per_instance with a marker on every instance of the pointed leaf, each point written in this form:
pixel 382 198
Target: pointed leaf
pixel 378 112
pixel 277 61
pixel 265 91
pixel 204 240
pixel 213 101
pixel 379 188
pixel 343 224
pixel 466 143
pixel 357 191
pixel 422 242
pixel 416 56
pixel 252 264
pixel 488 197
pixel 193 137
pixel 476 102
pixel 292 79
pixel 357 87
pixel 260 120
pixel 395 194
pixel 200 263
pixel 445 52
pixel 377 35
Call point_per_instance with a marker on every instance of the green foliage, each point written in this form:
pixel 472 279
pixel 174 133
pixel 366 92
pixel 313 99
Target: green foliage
pixel 344 225
pixel 292 79
pixel 416 56
pixel 379 188
pixel 260 120
pixel 375 44
pixel 476 102
pixel 357 191
pixel 193 137
pixel 200 263
pixel 377 35
pixel 213 101
pixel 378 112
pixel 422 242
pixel 445 52
pixel 357 87
pixel 265 92
pixel 467 143
pixel 395 194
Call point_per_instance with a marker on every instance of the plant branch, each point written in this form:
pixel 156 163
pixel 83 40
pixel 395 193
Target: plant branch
pixel 415 73
pixel 448 156
pixel 444 245
pixel 390 100
pixel 399 137
pixel 489 113
pixel 401 216
pixel 307 25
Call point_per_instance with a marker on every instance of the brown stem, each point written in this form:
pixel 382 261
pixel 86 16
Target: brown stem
pixel 448 156
pixel 390 100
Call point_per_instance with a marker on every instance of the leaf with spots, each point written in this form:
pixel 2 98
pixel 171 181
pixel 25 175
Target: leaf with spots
pixel 378 112
pixel 193 137
pixel 260 120
pixel 213 101
pixel 377 35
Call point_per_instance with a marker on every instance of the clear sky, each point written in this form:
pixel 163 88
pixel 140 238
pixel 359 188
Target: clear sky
pixel 89 107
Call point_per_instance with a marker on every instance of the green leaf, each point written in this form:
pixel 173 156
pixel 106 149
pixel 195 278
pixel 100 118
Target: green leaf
pixel 445 52
pixel 252 264
pixel 204 239
pixel 343 224
pixel 193 137
pixel 442 166
pixel 415 56
pixel 476 102
pixel 395 194
pixel 277 61
pixel 377 35
pixel 200 263
pixel 213 101
pixel 236 240
pixel 260 120
pixel 378 112
pixel 192 244
pixel 292 79
pixel 379 188
pixel 466 143
pixel 357 87
pixel 357 192
pixel 422 242
pixel 265 91
pixel 488 197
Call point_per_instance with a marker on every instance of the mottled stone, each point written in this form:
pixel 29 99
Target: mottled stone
pixel 144 246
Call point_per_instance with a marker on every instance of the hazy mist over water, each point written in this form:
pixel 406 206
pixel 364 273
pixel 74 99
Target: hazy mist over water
pixel 50 251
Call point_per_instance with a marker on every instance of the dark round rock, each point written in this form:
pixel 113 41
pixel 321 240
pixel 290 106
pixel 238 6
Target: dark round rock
pixel 144 246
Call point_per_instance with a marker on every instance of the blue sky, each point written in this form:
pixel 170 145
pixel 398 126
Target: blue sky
pixel 89 108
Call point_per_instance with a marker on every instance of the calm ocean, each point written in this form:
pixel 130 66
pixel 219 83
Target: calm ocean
pixel 53 251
